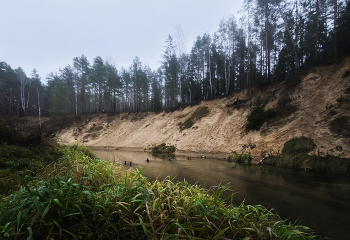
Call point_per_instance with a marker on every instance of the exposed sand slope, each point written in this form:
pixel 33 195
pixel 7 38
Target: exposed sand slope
pixel 223 129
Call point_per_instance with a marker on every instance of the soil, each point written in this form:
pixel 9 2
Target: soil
pixel 223 130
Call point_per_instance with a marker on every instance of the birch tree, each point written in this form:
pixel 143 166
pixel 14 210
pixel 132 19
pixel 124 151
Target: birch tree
pixel 23 81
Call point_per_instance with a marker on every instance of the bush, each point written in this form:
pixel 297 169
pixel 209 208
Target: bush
pixel 245 158
pixel 294 161
pixel 196 115
pixel 299 145
pixel 258 116
pixel 260 102
pixel 341 126
pixel 285 108
pixel 163 148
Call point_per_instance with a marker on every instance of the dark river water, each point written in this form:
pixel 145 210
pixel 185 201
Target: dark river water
pixel 321 201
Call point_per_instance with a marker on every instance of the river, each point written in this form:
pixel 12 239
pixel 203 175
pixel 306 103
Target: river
pixel 321 201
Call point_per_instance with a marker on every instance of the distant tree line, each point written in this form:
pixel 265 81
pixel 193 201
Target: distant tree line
pixel 271 41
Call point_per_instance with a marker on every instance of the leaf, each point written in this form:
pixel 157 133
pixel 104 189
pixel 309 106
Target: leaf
pixel 144 227
pixel 46 210
pixel 30 231
pixel 36 203
pixel 220 233
pixel 58 202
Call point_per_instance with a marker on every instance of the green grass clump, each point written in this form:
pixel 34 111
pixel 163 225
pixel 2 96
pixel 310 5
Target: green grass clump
pixel 245 158
pixel 196 115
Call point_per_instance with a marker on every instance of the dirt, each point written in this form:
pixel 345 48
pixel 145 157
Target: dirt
pixel 222 130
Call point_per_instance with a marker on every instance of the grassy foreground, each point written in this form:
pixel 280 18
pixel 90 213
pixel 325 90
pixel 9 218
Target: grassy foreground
pixel 81 197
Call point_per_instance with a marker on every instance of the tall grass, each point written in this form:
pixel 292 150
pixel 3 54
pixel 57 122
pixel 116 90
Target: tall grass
pixel 85 198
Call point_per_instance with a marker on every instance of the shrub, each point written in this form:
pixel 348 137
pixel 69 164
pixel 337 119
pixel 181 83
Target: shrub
pixel 245 158
pixel 284 107
pixel 196 115
pixel 258 116
pixel 163 148
pixel 260 102
pixel 341 126
pixel 299 145
pixel 294 161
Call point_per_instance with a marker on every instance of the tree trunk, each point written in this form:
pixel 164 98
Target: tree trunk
pixel 316 30
pixel 39 109
pixel 296 58
pixel 335 5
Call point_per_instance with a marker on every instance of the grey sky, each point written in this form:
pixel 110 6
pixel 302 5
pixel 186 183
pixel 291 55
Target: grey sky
pixel 48 34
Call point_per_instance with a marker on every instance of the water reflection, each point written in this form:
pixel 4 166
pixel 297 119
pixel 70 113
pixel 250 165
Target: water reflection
pixel 322 201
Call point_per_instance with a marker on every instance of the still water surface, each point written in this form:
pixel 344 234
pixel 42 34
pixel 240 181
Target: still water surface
pixel 321 201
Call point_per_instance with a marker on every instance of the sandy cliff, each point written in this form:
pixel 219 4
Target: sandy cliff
pixel 223 129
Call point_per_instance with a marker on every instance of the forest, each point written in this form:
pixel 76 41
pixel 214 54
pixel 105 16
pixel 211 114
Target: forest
pixel 272 41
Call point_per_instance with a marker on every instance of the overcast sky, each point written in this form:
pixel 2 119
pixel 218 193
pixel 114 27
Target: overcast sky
pixel 48 34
